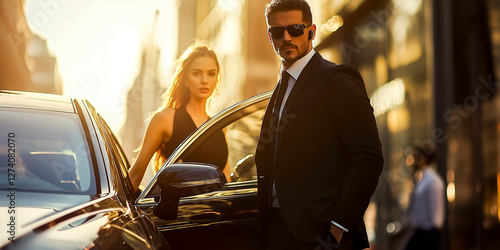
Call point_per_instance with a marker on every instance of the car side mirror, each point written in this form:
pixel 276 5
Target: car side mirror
pixel 185 179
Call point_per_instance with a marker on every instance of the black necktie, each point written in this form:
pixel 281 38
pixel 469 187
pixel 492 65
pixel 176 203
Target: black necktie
pixel 279 98
pixel 282 86
pixel 275 124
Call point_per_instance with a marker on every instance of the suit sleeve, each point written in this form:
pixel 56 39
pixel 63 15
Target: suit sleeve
pixel 353 118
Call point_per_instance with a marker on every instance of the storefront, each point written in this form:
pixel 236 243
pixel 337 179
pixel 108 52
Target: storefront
pixel 428 68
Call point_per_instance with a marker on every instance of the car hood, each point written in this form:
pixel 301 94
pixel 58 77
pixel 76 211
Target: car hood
pixel 25 211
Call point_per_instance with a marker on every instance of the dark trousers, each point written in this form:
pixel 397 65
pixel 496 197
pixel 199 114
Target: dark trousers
pixel 279 237
pixel 424 239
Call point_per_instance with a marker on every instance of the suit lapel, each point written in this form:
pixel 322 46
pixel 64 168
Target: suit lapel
pixel 265 137
pixel 296 90
pixel 269 109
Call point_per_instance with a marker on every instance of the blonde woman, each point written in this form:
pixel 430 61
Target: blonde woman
pixel 196 77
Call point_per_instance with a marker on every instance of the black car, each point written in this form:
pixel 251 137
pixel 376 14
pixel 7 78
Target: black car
pixel 65 184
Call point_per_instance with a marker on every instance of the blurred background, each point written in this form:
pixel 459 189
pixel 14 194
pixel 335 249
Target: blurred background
pixel 431 69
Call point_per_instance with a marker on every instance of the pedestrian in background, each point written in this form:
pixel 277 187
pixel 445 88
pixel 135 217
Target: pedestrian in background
pixel 426 209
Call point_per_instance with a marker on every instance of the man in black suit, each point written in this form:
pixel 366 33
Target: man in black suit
pixel 319 155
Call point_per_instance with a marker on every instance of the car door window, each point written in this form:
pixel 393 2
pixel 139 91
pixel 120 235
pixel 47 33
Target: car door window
pixel 115 146
pixel 118 156
pixel 242 137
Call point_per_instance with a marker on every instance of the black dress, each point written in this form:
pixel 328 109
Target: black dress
pixel 213 150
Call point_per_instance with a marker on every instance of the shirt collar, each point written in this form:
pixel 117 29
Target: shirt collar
pixel 296 68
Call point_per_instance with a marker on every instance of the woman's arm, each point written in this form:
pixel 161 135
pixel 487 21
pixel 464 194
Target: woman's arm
pixel 159 130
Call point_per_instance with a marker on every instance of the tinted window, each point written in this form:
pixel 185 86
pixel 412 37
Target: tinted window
pixel 44 152
pixel 117 156
pixel 242 137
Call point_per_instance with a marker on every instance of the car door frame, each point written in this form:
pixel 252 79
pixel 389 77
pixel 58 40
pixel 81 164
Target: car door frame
pixel 132 219
pixel 230 210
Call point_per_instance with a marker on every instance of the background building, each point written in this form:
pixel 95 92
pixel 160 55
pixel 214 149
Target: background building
pixel 25 62
pixel 43 67
pixel 145 94
pixel 236 31
pixel 13 43
pixel 430 68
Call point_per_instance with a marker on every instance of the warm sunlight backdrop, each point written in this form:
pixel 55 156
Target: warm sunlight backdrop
pixel 98 45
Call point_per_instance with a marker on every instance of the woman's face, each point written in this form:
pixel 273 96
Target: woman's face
pixel 201 77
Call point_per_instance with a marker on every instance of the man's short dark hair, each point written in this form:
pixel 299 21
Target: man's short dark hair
pixel 287 5
pixel 429 154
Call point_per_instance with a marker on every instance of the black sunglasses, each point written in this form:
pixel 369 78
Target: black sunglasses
pixel 294 30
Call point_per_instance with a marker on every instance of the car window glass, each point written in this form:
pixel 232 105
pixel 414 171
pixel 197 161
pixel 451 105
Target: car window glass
pixel 45 152
pixel 118 155
pixel 242 137
pixel 123 163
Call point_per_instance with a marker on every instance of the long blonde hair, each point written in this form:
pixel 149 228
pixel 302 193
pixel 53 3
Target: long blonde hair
pixel 178 94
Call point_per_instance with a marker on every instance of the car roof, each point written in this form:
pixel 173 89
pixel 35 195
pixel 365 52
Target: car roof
pixel 36 101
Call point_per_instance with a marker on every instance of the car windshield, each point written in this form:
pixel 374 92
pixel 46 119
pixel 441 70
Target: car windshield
pixel 44 152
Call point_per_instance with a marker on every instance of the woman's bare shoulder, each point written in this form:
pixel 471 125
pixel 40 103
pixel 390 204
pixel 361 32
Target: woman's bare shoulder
pixel 163 122
pixel 164 114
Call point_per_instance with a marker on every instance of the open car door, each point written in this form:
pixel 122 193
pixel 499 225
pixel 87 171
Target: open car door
pixel 226 218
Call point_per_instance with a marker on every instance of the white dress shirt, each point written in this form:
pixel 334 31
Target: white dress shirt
pixel 294 70
pixel 427 206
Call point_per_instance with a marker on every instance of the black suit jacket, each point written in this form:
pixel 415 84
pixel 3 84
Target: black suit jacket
pixel 328 156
